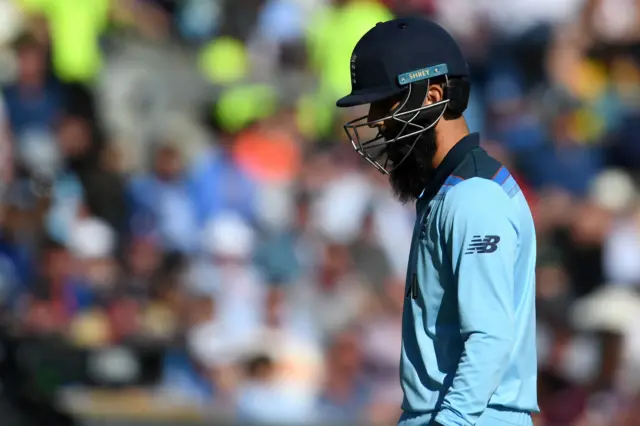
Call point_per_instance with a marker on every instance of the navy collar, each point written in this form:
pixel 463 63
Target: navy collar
pixel 452 160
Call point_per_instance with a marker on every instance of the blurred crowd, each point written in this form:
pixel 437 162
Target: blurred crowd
pixel 175 176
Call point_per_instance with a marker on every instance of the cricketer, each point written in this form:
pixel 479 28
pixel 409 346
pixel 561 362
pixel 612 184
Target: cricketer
pixel 468 353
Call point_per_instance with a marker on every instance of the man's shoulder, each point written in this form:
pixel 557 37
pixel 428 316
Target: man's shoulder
pixel 478 164
pixel 479 184
pixel 481 172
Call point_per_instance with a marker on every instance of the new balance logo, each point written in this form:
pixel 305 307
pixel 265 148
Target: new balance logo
pixel 480 245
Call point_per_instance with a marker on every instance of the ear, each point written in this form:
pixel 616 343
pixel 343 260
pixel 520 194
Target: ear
pixel 436 94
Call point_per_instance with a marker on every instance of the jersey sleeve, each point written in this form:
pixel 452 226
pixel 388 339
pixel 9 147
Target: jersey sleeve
pixel 481 241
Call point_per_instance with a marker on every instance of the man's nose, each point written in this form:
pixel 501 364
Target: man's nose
pixel 376 118
pixel 376 124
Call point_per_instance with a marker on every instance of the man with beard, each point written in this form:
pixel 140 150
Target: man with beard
pixel 468 331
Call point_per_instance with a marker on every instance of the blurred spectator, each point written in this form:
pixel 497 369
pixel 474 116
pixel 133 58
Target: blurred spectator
pixel 287 349
pixel 33 104
pixel 337 295
pixel 346 393
pixel 162 201
pixel 332 35
pixel 198 20
pixel 225 270
pixel 188 373
pixel 74 34
pixel 262 399
pixel 563 162
pixel 219 184
pixel 284 253
pixel 380 329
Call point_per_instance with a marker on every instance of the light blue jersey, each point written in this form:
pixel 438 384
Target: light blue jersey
pixel 468 331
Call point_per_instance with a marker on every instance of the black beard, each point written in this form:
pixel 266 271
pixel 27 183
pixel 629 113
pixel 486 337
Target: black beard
pixel 409 179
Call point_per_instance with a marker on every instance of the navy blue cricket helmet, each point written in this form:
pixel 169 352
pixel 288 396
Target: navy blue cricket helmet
pixel 400 59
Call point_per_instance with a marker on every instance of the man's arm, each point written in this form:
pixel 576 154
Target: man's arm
pixel 481 242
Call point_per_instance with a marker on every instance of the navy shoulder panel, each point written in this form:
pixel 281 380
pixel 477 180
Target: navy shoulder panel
pixel 480 164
